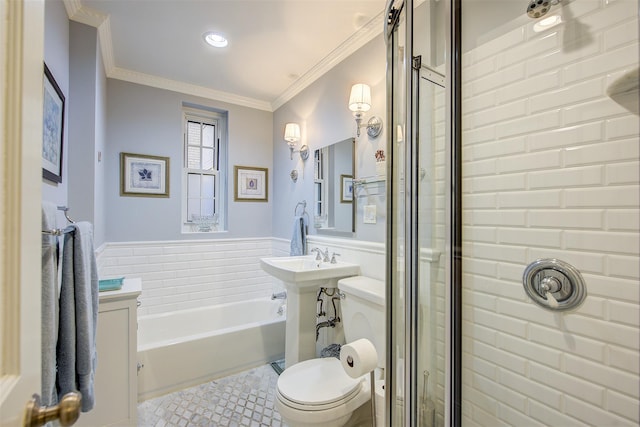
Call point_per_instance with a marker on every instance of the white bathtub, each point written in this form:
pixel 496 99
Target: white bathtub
pixel 189 347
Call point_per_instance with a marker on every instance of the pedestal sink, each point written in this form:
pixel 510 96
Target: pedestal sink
pixel 303 276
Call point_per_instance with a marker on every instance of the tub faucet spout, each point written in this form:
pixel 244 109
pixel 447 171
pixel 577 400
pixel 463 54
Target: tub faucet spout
pixel 279 295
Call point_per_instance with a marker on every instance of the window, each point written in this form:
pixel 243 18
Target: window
pixel 204 180
pixel 320 169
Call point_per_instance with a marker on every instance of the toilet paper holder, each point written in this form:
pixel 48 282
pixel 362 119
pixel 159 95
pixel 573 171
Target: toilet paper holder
pixel 365 353
pixel 372 380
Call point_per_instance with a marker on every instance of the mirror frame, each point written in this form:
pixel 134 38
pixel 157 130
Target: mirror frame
pixel 333 232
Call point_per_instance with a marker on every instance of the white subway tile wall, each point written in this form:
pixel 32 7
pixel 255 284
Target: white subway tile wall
pixel 179 275
pixel 550 169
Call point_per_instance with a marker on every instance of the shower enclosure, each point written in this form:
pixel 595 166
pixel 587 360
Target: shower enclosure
pixel 516 139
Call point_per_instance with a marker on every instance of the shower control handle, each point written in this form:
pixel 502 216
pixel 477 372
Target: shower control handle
pixel 549 286
pixel 554 284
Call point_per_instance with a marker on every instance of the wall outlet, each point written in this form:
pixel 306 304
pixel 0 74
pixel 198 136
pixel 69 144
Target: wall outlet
pixel 369 216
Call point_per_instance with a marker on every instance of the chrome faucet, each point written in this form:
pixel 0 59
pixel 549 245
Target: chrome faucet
pixel 322 256
pixel 279 295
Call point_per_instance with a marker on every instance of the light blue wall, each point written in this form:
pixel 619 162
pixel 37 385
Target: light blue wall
pixel 146 120
pixel 86 128
pixel 73 57
pixel 324 117
pixel 100 206
pixel 56 56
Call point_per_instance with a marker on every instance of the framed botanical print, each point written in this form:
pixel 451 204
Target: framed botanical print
pixel 142 175
pixel 346 188
pixel 251 184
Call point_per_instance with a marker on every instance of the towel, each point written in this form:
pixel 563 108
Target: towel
pixel 76 350
pixel 49 305
pixel 299 237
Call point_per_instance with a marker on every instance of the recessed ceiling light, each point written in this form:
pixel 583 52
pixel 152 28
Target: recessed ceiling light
pixel 215 39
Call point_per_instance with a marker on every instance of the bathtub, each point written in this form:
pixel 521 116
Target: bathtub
pixel 184 348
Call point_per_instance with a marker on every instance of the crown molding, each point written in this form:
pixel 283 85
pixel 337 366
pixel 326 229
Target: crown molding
pixel 363 36
pixel 187 88
pixel 72 7
pixel 78 12
pixel 85 15
pixel 106 46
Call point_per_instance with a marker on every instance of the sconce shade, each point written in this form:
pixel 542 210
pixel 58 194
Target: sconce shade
pixel 360 98
pixel 292 132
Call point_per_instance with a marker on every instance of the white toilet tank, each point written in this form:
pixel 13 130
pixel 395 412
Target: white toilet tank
pixel 363 312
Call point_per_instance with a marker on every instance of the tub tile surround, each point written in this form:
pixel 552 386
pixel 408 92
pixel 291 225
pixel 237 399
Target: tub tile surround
pixel 244 399
pixel 180 275
pixel 555 177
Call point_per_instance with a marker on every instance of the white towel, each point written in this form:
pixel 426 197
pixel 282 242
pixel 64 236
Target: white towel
pixel 76 350
pixel 299 237
pixel 49 305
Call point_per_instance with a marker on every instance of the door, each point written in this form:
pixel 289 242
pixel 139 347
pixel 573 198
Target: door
pixel 416 252
pixel 21 68
pixel 395 31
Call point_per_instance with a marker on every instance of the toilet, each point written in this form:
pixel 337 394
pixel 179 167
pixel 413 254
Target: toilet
pixel 318 392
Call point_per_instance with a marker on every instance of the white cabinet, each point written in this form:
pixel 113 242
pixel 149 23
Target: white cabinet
pixel 116 384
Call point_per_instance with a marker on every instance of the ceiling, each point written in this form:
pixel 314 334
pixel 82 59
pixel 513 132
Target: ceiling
pixel 276 47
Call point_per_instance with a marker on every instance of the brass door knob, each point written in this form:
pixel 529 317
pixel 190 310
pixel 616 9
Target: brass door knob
pixel 67 411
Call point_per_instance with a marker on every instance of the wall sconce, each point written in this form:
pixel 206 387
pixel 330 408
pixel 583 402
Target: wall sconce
pixel 292 136
pixel 360 103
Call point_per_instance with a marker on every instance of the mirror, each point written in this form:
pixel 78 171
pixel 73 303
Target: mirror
pixel 334 200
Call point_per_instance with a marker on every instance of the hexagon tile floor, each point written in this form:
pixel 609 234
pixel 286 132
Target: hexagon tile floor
pixel 244 399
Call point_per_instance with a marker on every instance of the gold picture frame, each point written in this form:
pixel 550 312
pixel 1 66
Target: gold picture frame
pixel 346 188
pixel 142 175
pixel 251 184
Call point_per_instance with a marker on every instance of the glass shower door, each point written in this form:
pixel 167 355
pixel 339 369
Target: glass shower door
pixel 395 33
pixel 416 298
pixel 430 138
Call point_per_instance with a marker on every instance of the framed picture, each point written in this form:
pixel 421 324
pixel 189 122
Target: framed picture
pixel 251 184
pixel 144 176
pixel 52 128
pixel 346 188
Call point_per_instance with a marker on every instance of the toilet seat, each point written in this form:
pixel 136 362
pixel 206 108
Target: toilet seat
pixel 317 384
pixel 319 393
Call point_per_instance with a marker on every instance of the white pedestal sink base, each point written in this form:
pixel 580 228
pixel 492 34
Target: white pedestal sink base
pixel 300 331
pixel 303 276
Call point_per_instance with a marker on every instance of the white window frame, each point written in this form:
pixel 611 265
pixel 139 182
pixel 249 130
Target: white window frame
pixel 219 121
pixel 320 187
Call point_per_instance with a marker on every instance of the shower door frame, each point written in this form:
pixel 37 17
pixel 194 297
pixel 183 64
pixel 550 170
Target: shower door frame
pixel 453 224
pixel 454 252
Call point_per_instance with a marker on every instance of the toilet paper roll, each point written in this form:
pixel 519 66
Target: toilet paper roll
pixel 358 358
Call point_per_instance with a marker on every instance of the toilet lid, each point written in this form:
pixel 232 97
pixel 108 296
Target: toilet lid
pixel 317 382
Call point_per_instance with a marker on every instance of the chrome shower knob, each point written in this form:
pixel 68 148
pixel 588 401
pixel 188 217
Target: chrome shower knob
pixel 554 284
